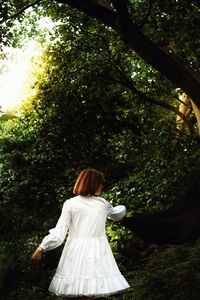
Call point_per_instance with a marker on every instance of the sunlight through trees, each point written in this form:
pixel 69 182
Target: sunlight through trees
pixel 94 96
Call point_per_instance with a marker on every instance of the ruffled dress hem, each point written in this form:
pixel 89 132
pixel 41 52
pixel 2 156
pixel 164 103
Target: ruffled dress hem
pixel 94 287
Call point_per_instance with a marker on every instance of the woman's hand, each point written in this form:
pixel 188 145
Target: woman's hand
pixel 37 255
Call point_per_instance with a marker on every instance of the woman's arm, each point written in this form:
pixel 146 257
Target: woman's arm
pixel 57 235
pixel 116 213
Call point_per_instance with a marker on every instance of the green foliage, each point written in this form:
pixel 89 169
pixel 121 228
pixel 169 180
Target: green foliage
pixel 171 274
pixel 80 114
pixel 173 24
pixel 160 175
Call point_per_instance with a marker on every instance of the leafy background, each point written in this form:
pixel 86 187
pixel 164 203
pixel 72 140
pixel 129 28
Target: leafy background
pixel 79 114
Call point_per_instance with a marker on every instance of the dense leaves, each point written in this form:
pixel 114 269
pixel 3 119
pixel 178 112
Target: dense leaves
pixel 81 113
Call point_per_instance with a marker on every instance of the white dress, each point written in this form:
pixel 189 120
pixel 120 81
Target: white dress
pixel 87 266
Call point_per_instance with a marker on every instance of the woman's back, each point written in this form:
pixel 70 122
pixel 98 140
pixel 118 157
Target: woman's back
pixel 88 217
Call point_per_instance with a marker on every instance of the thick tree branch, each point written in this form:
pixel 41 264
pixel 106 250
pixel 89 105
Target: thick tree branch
pixel 197 114
pixel 93 9
pixel 128 82
pixel 121 8
pixel 132 35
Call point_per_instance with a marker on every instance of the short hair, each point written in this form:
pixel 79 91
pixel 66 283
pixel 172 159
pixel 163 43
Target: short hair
pixel 88 182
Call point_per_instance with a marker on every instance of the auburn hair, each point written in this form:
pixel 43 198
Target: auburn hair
pixel 88 182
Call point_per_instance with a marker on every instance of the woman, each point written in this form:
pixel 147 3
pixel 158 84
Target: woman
pixel 87 267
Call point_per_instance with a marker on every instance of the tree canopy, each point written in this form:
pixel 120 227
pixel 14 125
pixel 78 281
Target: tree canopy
pixel 139 31
pixel 100 98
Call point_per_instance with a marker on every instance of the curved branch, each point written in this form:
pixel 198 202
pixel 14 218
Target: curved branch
pixel 24 8
pixel 125 80
pixel 134 38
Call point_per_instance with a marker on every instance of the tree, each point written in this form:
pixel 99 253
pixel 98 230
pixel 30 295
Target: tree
pixel 120 19
pixel 87 109
pixel 158 38
pixel 117 14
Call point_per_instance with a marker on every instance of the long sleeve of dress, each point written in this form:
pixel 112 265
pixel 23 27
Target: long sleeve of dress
pixel 57 234
pixel 115 213
pixel 109 209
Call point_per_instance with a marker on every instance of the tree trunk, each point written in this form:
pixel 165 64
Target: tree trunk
pixel 164 63
pixel 186 110
pixel 197 113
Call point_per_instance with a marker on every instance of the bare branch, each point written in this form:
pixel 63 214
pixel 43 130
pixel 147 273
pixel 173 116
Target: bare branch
pixel 21 10
pixel 186 105
pixel 128 82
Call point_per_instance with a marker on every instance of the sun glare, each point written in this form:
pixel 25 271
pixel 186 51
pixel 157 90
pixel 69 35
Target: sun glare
pixel 17 68
pixel 13 80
